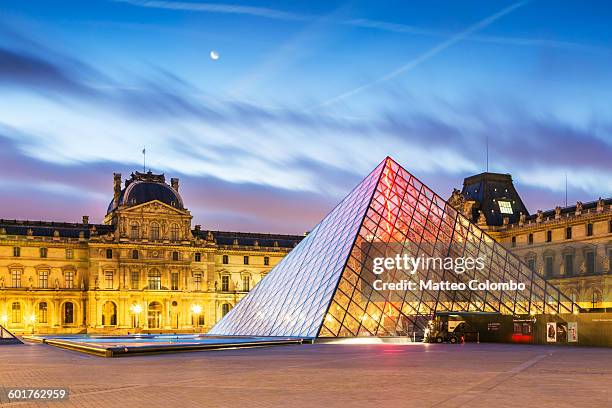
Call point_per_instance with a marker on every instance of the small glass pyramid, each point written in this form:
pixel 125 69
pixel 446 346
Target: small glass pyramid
pixel 325 286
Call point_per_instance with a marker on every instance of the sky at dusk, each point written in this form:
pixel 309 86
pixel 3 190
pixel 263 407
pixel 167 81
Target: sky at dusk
pixel 303 102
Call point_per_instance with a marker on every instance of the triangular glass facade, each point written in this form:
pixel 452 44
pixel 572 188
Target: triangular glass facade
pixel 325 286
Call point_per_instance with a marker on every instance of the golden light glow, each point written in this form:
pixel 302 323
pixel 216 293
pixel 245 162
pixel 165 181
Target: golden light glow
pixel 136 308
pixel 196 309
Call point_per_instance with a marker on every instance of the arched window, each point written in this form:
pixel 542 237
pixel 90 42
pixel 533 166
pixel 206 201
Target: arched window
pixel 16 313
pixel 134 231
pixel 154 314
pixel 109 314
pixel 154 280
pixel 174 232
pixel 154 231
pixel 42 312
pixel 225 308
pixel 68 315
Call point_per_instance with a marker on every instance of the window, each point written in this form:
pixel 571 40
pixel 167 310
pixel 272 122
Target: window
pixel 198 257
pixel 69 279
pixel 246 260
pixel 135 254
pixel 135 280
pixel 154 231
pixel 108 278
pixel 589 229
pixel 154 280
pixel 513 242
pixel 225 308
pixel 225 283
pixel 174 232
pixel 569 264
pixel 568 233
pixel 532 264
pixel 549 236
pixel 175 256
pixel 201 321
pixel 590 261
pixel 197 281
pixel 16 312
pixel 16 278
pixel 610 226
pixel 246 283
pixel 174 281
pixel 43 279
pixel 68 313
pixel 42 312
pixel 225 259
pixel 16 252
pixel 548 261
pixel 505 207
pixel 530 239
pixel 69 253
pixel 266 260
pixel 109 254
pixel 43 252
pixel 134 231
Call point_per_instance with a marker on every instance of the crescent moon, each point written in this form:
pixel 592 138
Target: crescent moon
pixel 214 55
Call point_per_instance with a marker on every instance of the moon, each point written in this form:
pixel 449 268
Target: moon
pixel 214 55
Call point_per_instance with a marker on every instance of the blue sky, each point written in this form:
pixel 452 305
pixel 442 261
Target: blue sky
pixel 305 99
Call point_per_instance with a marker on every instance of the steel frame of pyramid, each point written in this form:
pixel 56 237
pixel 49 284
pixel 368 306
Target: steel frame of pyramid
pixel 323 287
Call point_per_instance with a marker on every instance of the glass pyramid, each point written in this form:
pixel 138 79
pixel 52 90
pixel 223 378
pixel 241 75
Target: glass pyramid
pixel 325 286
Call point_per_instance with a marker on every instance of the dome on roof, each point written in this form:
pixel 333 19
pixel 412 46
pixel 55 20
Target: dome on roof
pixel 145 187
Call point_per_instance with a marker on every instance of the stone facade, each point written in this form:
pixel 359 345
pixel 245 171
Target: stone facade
pixel 570 246
pixel 144 269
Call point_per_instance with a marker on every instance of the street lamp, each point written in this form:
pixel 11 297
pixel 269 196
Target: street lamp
pixel 4 319
pixel 196 310
pixel 136 309
pixel 33 322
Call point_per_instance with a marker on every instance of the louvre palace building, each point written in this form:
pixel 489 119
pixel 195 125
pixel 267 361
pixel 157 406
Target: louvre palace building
pixel 146 268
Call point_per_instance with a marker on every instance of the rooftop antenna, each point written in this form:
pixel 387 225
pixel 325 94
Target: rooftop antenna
pixel 566 188
pixel 487 143
pixel 144 159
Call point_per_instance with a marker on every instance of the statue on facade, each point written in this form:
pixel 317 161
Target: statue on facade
pixel 578 207
pixel 557 212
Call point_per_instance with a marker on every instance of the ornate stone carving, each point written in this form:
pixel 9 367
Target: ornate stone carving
pixel 578 208
pixel 600 205
pixel 557 212
pixel 539 216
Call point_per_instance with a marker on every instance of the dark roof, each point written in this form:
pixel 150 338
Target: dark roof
pixel 487 189
pixel 47 228
pixel 249 238
pixel 145 187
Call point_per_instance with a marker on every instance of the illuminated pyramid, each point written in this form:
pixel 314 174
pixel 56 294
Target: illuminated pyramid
pixel 325 286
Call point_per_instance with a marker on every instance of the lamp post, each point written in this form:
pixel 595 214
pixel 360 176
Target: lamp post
pixel 196 310
pixel 4 319
pixel 136 309
pixel 33 322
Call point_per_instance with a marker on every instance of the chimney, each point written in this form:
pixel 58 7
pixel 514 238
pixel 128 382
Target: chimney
pixel 117 187
pixel 174 182
pixel 86 219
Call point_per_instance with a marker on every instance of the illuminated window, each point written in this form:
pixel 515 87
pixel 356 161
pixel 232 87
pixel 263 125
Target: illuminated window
pixel 154 231
pixel 174 281
pixel 154 280
pixel 42 312
pixel 69 279
pixel 69 253
pixel 134 231
pixel 174 232
pixel 197 281
pixel 505 207
pixel 16 278
pixel 16 312
pixel 246 283
pixel 108 278
pixel 225 283
pixel 43 279
pixel 135 278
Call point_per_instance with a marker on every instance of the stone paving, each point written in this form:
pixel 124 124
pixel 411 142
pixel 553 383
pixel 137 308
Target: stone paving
pixel 321 375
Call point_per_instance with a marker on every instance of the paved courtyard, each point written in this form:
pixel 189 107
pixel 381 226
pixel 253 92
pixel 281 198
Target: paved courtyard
pixel 321 375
